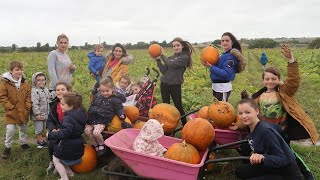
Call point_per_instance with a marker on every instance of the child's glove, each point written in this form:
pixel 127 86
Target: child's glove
pixel 124 124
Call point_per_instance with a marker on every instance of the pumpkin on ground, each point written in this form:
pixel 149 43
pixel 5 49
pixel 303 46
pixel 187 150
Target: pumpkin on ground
pixel 183 152
pixel 115 124
pixel 198 132
pixel 138 124
pixel 89 161
pixel 154 50
pixel 132 112
pixel 210 54
pixel 222 114
pixel 166 114
pixel 203 112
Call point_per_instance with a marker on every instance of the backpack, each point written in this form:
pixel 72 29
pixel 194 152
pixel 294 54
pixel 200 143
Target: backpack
pixel 242 60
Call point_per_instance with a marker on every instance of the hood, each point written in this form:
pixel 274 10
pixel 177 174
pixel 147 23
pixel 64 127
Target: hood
pixel 34 78
pixel 79 114
pixel 263 54
pixel 91 54
pixel 8 77
pixel 151 130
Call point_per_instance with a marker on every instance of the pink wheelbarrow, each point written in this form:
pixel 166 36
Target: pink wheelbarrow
pixel 141 166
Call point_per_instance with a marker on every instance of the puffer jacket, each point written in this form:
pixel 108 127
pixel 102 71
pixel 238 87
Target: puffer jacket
pixel 96 63
pixel 40 98
pixel 70 133
pixel 16 102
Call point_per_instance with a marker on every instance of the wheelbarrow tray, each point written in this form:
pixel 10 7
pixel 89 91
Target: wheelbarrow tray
pixel 152 166
pixel 226 136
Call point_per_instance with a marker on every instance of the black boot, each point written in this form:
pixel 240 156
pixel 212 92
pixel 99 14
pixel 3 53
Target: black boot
pixel 6 153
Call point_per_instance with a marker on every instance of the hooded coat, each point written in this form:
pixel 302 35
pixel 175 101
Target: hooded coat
pixel 96 63
pixel 264 59
pixel 70 133
pixel 40 98
pixel 16 102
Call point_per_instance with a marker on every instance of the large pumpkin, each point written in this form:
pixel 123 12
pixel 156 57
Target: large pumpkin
pixel 166 114
pixel 89 161
pixel 154 50
pixel 210 54
pixel 115 124
pixel 222 114
pixel 183 152
pixel 132 112
pixel 198 132
pixel 138 124
pixel 203 112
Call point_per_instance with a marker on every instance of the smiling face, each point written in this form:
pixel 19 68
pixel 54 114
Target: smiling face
pixel 270 81
pixel 177 47
pixel 135 89
pixel 41 81
pixel 16 73
pixel 98 52
pixel 105 91
pixel 61 90
pixel 226 43
pixel 117 53
pixel 123 83
pixel 65 107
pixel 248 115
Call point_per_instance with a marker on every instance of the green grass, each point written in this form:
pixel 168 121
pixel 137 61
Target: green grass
pixel 196 93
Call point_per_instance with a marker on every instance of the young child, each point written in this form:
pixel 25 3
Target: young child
pixel 271 158
pixel 70 148
pixel 40 98
pixel 97 61
pixel 55 117
pixel 136 87
pixel 15 97
pixel 263 60
pixel 123 86
pixel 173 71
pixel 105 105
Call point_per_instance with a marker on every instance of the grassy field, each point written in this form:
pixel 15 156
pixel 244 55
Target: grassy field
pixel 196 93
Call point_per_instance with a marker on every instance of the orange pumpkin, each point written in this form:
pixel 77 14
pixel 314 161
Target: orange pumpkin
pixel 154 50
pixel 203 112
pixel 115 124
pixel 138 124
pixel 132 112
pixel 166 114
pixel 210 54
pixel 198 132
pixel 89 161
pixel 183 152
pixel 222 114
pixel 211 165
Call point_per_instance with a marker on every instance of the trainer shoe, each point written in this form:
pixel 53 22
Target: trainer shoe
pixel 41 145
pixel 125 125
pixel 26 147
pixel 6 153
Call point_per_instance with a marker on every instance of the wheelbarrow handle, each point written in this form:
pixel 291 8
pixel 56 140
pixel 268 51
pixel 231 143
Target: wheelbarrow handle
pixel 158 73
pixel 227 159
pixel 228 145
pixel 148 72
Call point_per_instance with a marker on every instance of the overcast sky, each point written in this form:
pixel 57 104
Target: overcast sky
pixel 26 22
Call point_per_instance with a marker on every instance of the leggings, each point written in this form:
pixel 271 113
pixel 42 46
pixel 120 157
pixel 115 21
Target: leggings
pixel 94 133
pixel 221 96
pixel 175 92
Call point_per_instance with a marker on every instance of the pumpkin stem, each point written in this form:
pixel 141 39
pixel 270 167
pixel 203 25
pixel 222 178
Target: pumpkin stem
pixel 215 100
pixel 184 144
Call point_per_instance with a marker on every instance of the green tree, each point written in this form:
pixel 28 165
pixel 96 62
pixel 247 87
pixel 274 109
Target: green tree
pixel 14 47
pixel 263 43
pixel 315 44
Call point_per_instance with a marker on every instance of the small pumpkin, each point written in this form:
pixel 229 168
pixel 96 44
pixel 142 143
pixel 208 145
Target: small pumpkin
pixel 183 152
pixel 222 114
pixel 89 161
pixel 203 112
pixel 132 112
pixel 154 50
pixel 198 132
pixel 115 124
pixel 210 54
pixel 166 114
pixel 138 124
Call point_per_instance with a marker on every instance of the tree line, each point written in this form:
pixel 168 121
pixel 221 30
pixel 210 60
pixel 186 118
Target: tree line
pixel 252 43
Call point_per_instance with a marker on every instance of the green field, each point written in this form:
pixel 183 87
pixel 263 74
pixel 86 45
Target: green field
pixel 196 93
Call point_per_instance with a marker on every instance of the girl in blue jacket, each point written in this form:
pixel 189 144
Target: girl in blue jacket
pixel 263 60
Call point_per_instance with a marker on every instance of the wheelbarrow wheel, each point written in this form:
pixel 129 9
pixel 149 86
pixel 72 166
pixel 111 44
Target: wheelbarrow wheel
pixel 116 165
